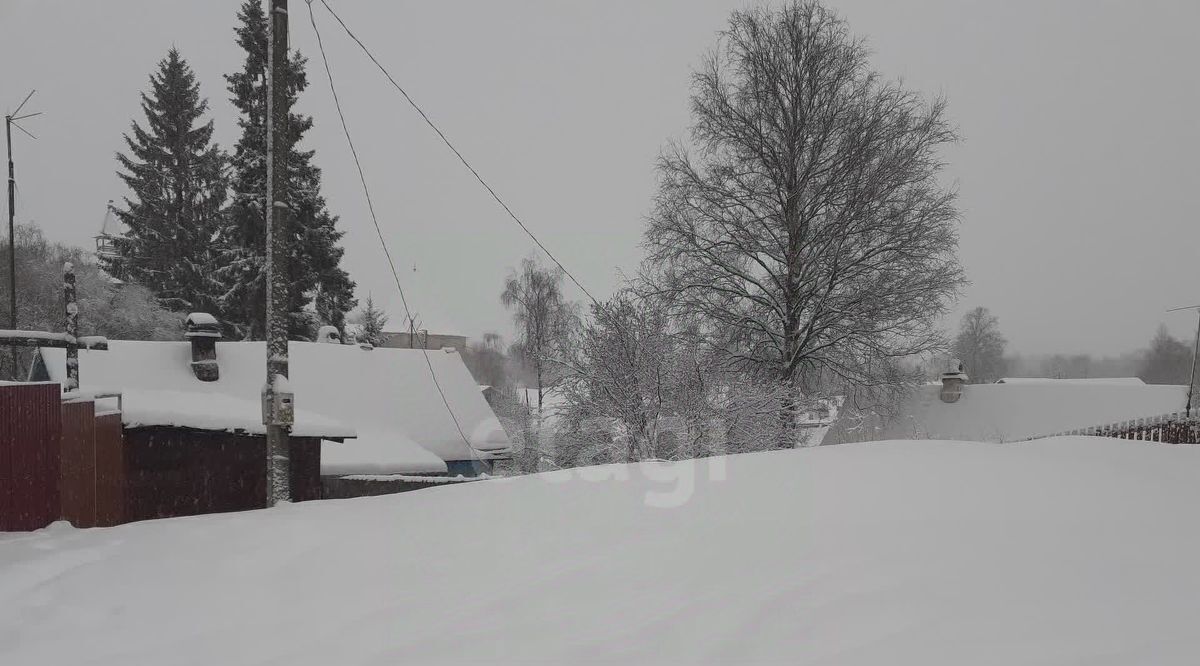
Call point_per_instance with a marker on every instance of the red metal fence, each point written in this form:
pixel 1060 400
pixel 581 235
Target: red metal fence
pixel 58 460
pixel 30 431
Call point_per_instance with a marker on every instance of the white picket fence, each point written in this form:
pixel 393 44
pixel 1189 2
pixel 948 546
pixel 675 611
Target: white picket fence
pixel 1173 428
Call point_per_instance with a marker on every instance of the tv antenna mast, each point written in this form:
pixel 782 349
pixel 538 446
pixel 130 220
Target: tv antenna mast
pixel 10 121
pixel 1195 351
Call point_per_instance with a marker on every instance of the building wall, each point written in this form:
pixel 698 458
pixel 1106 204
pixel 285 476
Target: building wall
pixel 179 472
pixel 469 467
pixel 338 487
pixel 402 340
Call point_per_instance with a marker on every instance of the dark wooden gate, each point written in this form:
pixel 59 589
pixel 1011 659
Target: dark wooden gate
pixel 110 470
pixel 77 458
pixel 30 433
pixel 92 463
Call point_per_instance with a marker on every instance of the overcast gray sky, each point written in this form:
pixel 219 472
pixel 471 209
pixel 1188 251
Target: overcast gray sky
pixel 1078 171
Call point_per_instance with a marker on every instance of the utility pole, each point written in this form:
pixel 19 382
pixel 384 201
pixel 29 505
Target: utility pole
pixel 10 121
pixel 1195 352
pixel 278 412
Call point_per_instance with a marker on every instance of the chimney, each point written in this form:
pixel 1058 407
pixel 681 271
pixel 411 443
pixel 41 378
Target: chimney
pixel 203 331
pixel 952 381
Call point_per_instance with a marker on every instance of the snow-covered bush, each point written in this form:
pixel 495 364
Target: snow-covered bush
pixel 116 310
pixel 641 385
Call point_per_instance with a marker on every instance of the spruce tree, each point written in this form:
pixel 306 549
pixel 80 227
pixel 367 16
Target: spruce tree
pixel 318 287
pixel 175 173
pixel 372 320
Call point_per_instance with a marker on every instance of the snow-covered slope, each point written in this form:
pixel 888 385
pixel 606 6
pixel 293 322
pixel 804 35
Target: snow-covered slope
pixel 1062 551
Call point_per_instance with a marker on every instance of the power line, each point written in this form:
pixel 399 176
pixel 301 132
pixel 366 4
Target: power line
pixel 374 219
pixel 450 145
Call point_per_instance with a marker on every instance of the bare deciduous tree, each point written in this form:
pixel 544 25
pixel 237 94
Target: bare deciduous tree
pixel 805 222
pixel 120 311
pixel 980 346
pixel 639 385
pixel 541 315
pixel 1167 361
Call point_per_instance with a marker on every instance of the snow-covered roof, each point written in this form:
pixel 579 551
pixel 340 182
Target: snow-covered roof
pixel 201 319
pixel 1012 411
pixel 379 452
pixel 212 411
pixel 1093 381
pixel 387 395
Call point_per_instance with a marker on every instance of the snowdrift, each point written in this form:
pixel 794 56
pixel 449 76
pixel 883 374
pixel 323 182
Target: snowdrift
pixel 1063 551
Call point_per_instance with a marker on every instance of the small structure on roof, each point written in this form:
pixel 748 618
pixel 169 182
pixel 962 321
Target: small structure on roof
pixel 329 335
pixel 203 331
pixel 953 380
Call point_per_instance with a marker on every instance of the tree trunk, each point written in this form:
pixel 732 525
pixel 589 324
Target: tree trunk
pixel 538 369
pixel 789 408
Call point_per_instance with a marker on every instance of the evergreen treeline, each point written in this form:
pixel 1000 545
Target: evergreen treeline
pixel 195 216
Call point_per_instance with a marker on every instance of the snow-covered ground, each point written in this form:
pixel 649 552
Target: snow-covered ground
pixel 1063 551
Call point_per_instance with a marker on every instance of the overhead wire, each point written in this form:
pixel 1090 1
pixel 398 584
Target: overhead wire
pixel 379 231
pixel 457 153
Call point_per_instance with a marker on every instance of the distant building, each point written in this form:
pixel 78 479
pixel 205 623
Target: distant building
pixel 423 340
pixel 112 230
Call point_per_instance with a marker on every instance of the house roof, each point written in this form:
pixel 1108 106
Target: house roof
pixel 213 411
pixel 1091 381
pixel 387 395
pixel 172 396
pixel 1011 411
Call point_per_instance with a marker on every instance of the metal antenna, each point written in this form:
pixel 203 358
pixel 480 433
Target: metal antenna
pixel 10 121
pixel 1195 351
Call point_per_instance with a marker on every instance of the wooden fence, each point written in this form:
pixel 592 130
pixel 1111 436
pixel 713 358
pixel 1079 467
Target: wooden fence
pixel 1174 428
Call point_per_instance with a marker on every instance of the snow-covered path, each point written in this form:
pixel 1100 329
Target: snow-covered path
pixel 1062 551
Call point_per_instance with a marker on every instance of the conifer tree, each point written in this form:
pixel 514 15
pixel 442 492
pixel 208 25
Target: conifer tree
pixel 372 320
pixel 318 286
pixel 175 174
